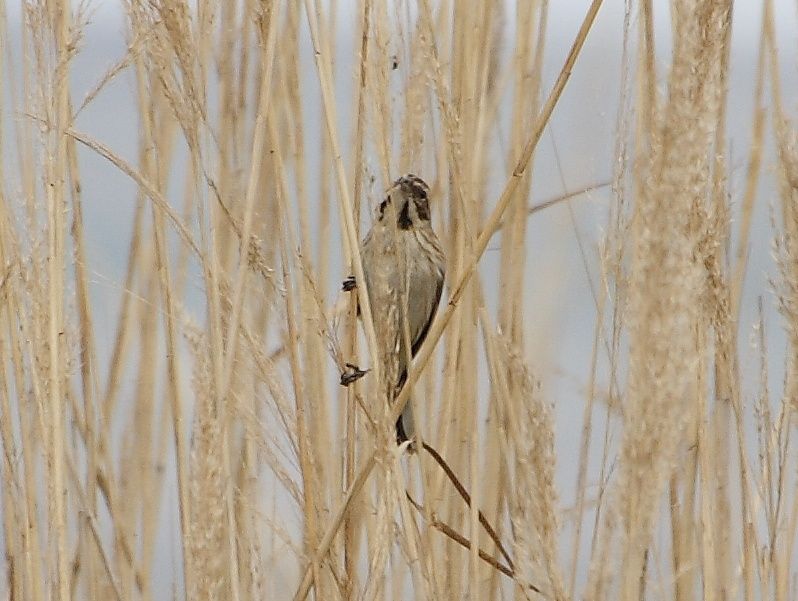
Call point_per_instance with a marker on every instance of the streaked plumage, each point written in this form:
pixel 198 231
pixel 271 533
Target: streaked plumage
pixel 404 266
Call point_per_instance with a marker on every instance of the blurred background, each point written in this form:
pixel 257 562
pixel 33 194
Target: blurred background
pixel 562 247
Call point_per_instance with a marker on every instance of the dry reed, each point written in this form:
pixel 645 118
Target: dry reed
pixel 196 443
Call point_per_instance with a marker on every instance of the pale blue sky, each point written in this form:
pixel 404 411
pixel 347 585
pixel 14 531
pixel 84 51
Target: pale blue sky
pixel 582 129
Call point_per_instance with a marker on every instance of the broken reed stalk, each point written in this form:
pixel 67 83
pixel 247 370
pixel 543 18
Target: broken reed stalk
pixel 465 543
pixel 440 322
pixel 461 490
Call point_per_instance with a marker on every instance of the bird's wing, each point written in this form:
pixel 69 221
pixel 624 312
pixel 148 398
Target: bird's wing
pixel 422 335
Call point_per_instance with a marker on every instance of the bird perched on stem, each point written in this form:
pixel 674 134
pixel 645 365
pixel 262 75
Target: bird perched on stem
pixel 404 266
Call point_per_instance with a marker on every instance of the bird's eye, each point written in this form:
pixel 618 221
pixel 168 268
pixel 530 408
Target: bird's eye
pixel 422 207
pixel 418 191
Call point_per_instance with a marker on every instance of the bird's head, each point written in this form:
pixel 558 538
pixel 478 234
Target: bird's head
pixel 408 199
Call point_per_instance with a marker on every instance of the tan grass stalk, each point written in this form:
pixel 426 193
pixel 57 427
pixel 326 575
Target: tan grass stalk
pixel 56 167
pixel 781 524
pixel 351 242
pixel 240 151
pixel 529 447
pixel 350 525
pixel 751 180
pixel 479 248
pixel 666 290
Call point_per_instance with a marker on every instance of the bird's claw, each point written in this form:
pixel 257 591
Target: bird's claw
pixel 352 374
pixel 349 284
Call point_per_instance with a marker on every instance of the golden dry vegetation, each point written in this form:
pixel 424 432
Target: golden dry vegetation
pixel 205 414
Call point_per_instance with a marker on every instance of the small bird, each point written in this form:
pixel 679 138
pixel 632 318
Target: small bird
pixel 404 267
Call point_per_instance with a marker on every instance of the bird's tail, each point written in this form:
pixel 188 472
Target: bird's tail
pixel 405 429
